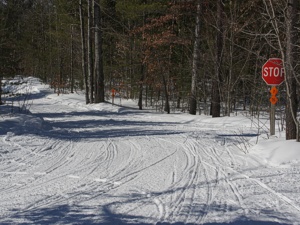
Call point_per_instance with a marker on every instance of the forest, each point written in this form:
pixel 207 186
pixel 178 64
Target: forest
pixel 198 56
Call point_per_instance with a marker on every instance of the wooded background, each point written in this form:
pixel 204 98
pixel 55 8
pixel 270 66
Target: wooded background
pixel 200 56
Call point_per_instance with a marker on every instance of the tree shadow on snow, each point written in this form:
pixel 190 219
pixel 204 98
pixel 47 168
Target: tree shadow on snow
pixel 237 222
pixel 91 124
pixel 107 214
pixel 65 214
pixel 100 125
pixel 89 129
pixel 80 215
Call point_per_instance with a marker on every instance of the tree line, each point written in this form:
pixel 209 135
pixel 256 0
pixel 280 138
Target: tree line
pixel 197 55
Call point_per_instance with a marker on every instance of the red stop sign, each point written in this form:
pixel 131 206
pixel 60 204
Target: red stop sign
pixel 273 72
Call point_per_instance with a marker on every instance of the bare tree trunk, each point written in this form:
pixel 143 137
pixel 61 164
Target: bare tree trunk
pixel 195 65
pixel 167 104
pixel 292 125
pixel 90 48
pixel 72 61
pixel 99 74
pixel 140 102
pixel 0 90
pixel 216 100
pixel 141 85
pixel 84 54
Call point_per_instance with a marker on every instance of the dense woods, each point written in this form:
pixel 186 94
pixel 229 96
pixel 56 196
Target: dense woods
pixel 200 56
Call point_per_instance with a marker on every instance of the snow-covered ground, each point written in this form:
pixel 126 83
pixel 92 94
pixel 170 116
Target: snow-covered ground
pixel 64 162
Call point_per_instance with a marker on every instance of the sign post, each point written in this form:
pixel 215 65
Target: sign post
pixel 273 101
pixel 273 74
pixel 113 94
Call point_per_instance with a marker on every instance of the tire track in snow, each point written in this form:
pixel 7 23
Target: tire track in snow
pixel 210 189
pixel 62 161
pixel 61 155
pixel 116 170
pixel 233 186
pixel 176 185
pixel 194 149
pixel 131 164
pixel 34 178
pixel 185 194
pixel 186 189
pixel 167 212
pixel 135 169
pixel 184 198
pixel 74 163
pixel 270 190
pixel 111 154
pixel 160 208
pixel 26 157
pixel 212 181
pixel 95 161
pixel 221 167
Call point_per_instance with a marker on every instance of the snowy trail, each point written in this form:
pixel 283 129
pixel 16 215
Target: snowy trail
pixel 101 164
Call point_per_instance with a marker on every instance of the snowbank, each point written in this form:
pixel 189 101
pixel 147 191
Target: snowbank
pixel 277 151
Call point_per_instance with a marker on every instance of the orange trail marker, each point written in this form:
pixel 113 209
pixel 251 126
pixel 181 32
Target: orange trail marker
pixel 273 100
pixel 274 91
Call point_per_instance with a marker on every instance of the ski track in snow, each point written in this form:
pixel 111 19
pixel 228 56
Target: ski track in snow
pixel 142 179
